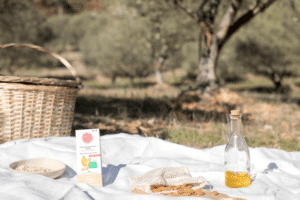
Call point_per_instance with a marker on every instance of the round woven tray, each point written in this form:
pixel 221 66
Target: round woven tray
pixel 33 107
pixel 56 168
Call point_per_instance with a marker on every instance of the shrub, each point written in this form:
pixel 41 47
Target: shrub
pixel 78 26
pixel 118 49
pixel 20 22
pixel 227 72
pixel 57 24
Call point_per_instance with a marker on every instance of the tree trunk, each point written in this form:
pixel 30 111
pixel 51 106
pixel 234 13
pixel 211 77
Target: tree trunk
pixel 113 80
pixel 277 81
pixel 214 41
pixel 158 65
pixel 206 78
pixel 278 85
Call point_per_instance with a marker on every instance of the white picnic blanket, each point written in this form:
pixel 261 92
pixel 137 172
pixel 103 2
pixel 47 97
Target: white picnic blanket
pixel 124 156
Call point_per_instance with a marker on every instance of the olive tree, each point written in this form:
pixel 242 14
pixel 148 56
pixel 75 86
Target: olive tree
pixel 168 31
pixel 269 45
pixel 218 20
pixel 119 48
pixel 264 60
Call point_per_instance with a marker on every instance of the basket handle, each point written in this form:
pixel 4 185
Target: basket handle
pixel 38 48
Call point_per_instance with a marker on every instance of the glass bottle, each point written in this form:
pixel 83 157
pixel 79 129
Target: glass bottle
pixel 236 156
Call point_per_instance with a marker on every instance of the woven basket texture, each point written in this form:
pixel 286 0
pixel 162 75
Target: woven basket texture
pixel 36 108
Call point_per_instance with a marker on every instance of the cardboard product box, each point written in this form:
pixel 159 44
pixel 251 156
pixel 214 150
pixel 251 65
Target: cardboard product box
pixel 89 162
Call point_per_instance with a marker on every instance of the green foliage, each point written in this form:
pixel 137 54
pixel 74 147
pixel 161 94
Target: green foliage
pixel 168 29
pixel 118 49
pixel 275 34
pixel 55 27
pixel 262 59
pixel 175 29
pixel 255 55
pixel 175 61
pixel 69 30
pixel 57 24
pixel 128 37
pixel 295 8
pixel 275 30
pixel 189 51
pixel 267 48
pixel 20 22
pixel 78 25
pixel 228 72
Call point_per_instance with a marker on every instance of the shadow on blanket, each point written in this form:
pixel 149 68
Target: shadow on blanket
pixel 110 173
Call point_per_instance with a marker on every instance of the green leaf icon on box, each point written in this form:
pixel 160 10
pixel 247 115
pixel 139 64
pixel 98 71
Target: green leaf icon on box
pixel 92 165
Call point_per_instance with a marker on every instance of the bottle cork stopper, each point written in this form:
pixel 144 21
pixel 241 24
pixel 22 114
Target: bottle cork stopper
pixel 235 112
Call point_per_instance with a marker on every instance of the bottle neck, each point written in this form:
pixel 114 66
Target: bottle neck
pixel 235 124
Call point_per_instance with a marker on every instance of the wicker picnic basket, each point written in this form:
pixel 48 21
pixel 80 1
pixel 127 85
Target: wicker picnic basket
pixel 32 107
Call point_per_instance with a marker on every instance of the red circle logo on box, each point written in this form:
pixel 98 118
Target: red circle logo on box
pixel 87 138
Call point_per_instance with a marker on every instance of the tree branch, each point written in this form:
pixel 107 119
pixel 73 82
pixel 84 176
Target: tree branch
pixel 262 7
pixel 257 3
pixel 228 19
pixel 202 5
pixel 244 19
pixel 183 7
pixel 208 16
pixel 293 6
pixel 201 16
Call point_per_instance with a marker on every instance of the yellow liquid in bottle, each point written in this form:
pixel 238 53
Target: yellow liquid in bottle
pixel 237 179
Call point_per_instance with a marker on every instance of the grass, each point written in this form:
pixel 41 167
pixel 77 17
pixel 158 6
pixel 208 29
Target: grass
pixel 289 145
pixel 121 82
pixel 255 135
pixel 248 83
pixel 257 82
pixel 195 138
